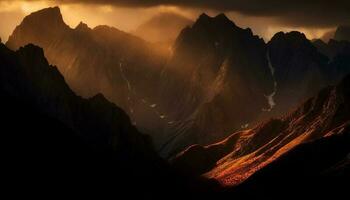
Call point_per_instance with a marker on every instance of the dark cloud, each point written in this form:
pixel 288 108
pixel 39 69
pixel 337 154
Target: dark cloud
pixel 318 13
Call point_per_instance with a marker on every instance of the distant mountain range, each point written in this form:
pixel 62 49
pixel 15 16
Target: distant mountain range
pixel 225 107
pixel 217 79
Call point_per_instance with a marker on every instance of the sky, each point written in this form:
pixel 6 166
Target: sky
pixel 265 18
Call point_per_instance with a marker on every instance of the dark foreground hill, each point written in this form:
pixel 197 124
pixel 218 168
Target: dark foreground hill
pixel 53 139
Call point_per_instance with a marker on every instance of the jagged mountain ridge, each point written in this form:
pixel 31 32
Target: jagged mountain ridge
pixel 100 60
pixel 95 64
pixel 219 78
pixel 243 153
pixel 216 70
pixel 54 136
pixel 78 53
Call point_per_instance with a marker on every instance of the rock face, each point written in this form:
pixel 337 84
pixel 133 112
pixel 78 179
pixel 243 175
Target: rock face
pixel 317 129
pixel 299 69
pixel 342 33
pixel 53 135
pixel 217 77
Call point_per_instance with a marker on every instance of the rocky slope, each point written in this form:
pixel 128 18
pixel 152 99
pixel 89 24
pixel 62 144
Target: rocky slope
pixel 317 129
pixel 317 168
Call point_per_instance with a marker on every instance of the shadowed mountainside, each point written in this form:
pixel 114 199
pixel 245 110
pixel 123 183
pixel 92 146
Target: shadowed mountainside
pixel 300 71
pixel 122 67
pixel 223 70
pixel 52 135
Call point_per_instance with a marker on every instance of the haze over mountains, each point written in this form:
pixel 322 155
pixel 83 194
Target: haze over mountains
pixel 222 103
pixel 162 28
pixel 217 79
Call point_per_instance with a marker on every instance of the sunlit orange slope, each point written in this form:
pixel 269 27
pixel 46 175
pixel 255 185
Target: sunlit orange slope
pixel 235 159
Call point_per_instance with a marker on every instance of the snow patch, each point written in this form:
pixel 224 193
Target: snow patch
pixel 270 97
pixel 244 126
pixel 123 76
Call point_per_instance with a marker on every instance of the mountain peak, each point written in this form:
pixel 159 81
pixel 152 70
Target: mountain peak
pixel 51 14
pixel 204 16
pixel 292 34
pixel 222 17
pixel 45 23
pixel 294 37
pixel 219 19
pixel 48 18
pixel 82 27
